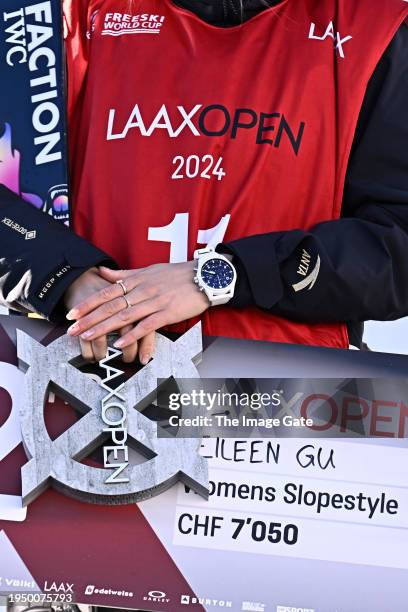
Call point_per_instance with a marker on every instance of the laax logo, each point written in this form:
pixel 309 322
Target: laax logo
pixel 230 123
pixel 57 462
pixel 330 33
pixel 62 587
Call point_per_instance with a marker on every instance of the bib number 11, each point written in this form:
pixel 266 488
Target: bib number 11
pixel 194 166
pixel 176 233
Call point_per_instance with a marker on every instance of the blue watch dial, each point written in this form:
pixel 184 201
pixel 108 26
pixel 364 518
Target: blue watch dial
pixel 217 273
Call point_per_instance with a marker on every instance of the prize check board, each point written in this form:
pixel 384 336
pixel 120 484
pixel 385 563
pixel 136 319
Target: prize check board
pixel 312 524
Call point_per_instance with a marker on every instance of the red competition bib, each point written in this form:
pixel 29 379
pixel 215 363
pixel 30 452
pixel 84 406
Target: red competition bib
pixel 183 133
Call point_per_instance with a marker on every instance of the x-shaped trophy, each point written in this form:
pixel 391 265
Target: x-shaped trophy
pixel 56 462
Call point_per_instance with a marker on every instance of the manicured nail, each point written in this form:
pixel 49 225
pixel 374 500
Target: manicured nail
pixel 118 344
pixel 87 335
pixel 73 329
pixel 72 315
pixel 145 358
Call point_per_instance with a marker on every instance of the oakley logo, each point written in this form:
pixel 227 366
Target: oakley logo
pixel 333 34
pixel 158 596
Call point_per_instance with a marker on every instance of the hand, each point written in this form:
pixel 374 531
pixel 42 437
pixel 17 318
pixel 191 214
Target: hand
pixel 89 283
pixel 159 295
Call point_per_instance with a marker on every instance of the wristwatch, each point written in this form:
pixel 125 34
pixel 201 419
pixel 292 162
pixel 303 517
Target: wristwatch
pixel 216 276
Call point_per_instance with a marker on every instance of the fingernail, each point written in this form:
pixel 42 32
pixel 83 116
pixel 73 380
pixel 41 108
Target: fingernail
pixel 73 329
pixel 118 344
pixel 145 358
pixel 72 314
pixel 86 335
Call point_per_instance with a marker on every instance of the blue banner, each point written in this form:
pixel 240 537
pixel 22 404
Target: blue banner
pixel 33 158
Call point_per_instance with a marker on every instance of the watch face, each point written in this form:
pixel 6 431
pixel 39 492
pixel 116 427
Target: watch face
pixel 217 273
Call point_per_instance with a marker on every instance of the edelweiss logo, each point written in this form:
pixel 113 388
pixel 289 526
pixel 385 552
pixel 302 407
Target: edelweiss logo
pixel 116 24
pixel 91 589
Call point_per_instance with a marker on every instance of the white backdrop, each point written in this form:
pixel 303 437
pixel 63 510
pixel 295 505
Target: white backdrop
pixel 390 337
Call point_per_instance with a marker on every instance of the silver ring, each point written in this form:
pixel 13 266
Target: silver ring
pixel 122 284
pixel 128 304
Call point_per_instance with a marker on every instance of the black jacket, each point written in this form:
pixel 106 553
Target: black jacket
pixel 364 255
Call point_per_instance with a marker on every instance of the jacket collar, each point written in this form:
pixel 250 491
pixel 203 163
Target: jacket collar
pixel 226 13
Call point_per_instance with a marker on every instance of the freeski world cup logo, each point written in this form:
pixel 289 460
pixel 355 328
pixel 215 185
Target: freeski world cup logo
pixel 117 24
pixel 111 416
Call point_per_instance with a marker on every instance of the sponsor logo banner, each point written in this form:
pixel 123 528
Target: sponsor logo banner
pixel 33 160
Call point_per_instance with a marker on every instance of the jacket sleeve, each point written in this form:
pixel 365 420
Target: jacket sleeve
pixel 39 258
pixel 357 265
